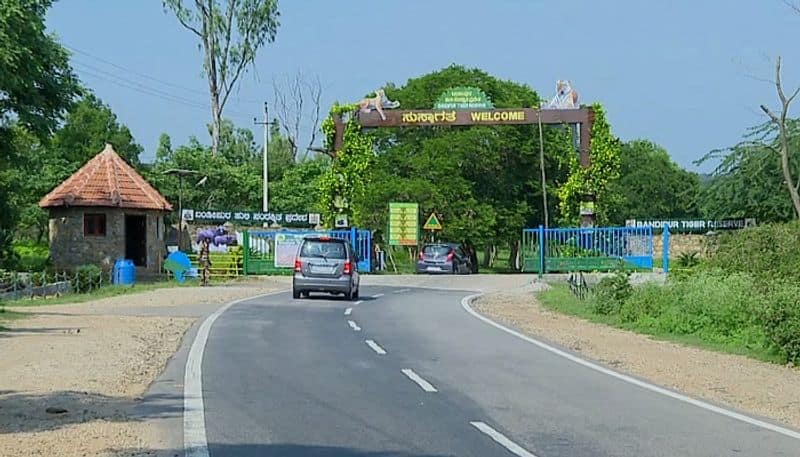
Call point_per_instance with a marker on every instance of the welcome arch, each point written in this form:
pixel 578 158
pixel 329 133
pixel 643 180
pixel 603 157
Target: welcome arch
pixel 472 108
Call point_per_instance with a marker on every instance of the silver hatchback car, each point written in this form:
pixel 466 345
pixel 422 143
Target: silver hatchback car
pixel 326 265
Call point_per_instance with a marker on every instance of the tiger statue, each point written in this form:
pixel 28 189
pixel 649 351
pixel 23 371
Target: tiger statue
pixel 566 97
pixel 378 103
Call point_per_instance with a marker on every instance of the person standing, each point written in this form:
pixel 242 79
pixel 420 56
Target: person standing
pixel 204 259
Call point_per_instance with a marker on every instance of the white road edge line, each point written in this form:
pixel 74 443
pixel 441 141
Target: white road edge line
pixel 377 296
pixel 354 326
pixel 195 443
pixel 358 302
pixel 645 385
pixel 375 347
pixel 425 385
pixel 402 291
pixel 502 440
pixel 348 311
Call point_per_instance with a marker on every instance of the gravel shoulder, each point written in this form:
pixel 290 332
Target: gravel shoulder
pixel 760 388
pixel 95 360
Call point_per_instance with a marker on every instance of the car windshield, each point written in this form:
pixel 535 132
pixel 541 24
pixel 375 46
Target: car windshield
pixel 324 249
pixel 436 250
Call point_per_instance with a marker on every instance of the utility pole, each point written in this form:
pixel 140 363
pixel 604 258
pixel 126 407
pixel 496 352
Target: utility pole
pixel 266 123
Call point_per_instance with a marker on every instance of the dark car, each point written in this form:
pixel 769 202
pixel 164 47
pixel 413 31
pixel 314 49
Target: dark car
pixel 326 265
pixel 443 258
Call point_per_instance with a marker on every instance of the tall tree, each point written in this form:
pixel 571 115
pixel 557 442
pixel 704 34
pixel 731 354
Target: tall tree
pixel 37 85
pixel 230 33
pixel 781 121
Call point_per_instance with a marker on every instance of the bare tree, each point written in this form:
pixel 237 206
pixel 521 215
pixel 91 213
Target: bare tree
pixel 297 103
pixel 780 121
pixel 230 33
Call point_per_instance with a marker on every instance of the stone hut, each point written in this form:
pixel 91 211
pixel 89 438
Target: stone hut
pixel 104 212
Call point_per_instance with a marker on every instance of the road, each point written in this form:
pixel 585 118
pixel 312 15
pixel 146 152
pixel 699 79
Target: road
pixel 407 372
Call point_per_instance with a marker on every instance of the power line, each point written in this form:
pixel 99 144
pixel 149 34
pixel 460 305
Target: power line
pixel 146 76
pixel 155 92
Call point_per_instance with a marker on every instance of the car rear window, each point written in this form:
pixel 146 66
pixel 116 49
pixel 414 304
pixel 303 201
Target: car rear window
pixel 323 249
pixel 436 250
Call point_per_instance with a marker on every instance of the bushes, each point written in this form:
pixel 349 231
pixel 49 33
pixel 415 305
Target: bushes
pixel 87 278
pixel 781 318
pixel 768 252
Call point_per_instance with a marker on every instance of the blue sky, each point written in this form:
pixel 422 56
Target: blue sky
pixel 681 73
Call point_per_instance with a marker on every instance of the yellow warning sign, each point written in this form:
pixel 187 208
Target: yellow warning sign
pixel 432 223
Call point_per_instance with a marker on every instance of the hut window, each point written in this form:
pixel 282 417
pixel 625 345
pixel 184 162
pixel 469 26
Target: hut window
pixel 94 225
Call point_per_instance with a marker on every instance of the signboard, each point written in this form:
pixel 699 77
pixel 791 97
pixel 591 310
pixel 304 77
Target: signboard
pixel 463 98
pixel 286 247
pixel 341 221
pixel 253 217
pixel 688 226
pixel 432 223
pixel 403 224
pixel 502 116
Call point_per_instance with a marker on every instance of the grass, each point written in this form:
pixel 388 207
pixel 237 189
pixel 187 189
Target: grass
pixel 559 298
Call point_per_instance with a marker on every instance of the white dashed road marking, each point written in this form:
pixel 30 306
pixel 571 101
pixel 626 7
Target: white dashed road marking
pixel 358 302
pixel 348 311
pixel 502 440
pixel 401 291
pixel 425 385
pixel 375 347
pixel 354 326
pixel 377 296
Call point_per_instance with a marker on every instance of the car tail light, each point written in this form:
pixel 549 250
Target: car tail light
pixel 297 265
pixel 348 268
pixel 450 255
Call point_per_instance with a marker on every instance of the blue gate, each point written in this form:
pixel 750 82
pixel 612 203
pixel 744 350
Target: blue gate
pixel 361 240
pixel 586 249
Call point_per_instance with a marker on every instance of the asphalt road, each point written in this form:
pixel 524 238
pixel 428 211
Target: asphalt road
pixel 410 373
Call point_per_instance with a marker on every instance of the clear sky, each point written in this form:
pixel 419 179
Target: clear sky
pixel 682 73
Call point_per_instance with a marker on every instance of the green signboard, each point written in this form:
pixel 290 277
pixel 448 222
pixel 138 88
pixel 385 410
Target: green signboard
pixel 463 98
pixel 403 224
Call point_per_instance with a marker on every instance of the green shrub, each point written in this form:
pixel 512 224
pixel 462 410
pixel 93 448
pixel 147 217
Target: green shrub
pixel 688 260
pixel 767 252
pixel 31 257
pixel 87 278
pixel 711 306
pixel 611 292
pixel 781 319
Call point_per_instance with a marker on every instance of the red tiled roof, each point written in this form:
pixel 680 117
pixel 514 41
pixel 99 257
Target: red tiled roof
pixel 106 180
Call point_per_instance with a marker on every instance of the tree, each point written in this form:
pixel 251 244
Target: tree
pixel 748 182
pixel 297 102
pixel 296 190
pixel 651 186
pixel 164 149
pixel 791 180
pixel 37 85
pixel 36 81
pixel 90 124
pixel 230 33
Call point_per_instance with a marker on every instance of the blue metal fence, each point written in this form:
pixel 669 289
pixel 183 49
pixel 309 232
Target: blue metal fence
pixel 586 249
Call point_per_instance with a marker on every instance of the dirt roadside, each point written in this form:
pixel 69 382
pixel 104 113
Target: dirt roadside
pixel 763 389
pixel 94 360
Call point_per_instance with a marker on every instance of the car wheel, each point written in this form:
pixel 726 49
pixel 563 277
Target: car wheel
pixel 355 295
pixel 296 294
